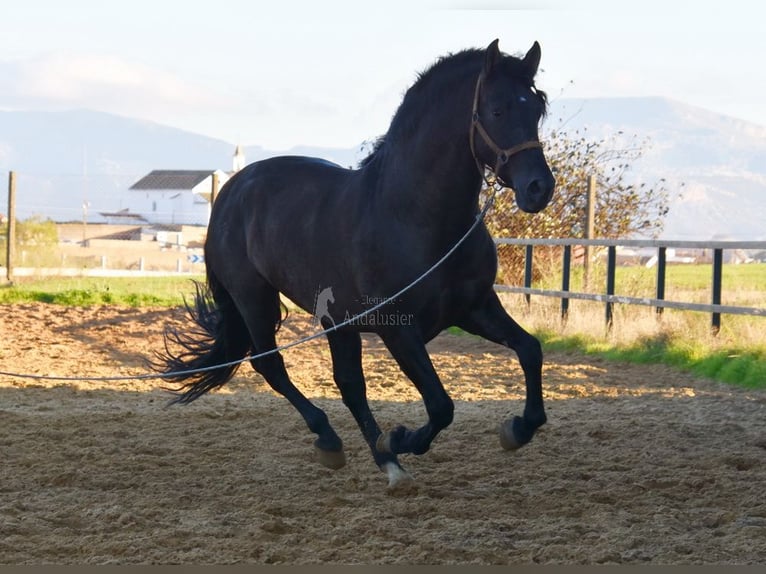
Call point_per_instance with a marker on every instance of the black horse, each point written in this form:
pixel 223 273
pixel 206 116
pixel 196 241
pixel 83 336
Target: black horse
pixel 299 226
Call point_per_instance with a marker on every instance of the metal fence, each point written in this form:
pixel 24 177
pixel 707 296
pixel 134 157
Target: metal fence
pixel 609 296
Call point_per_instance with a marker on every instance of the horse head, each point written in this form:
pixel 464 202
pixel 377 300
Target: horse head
pixel 507 111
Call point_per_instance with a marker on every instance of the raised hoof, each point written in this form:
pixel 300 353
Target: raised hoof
pixel 507 438
pixel 333 459
pixel 400 482
pixel 383 444
pixel 391 442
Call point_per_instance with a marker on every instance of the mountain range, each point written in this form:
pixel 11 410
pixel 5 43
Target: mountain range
pixel 75 164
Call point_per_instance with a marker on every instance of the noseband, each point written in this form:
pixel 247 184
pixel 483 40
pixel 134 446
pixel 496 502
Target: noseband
pixel 502 155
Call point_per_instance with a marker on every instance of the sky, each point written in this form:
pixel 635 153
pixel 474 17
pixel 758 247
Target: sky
pixel 331 73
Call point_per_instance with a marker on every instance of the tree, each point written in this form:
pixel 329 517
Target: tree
pixel 624 206
pixel 36 240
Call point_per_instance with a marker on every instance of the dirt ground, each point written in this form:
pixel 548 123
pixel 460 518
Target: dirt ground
pixel 636 465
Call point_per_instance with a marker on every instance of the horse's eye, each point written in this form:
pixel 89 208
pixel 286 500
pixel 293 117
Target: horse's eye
pixel 497 113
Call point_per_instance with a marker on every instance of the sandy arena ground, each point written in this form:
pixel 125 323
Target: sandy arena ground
pixel 636 465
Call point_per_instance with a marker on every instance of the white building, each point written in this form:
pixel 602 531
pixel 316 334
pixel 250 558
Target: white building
pixel 179 196
pixel 173 196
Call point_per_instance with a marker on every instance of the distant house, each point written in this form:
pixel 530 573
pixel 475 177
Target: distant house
pixel 175 196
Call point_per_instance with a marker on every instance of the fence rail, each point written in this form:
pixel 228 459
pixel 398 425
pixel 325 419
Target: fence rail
pixel 609 297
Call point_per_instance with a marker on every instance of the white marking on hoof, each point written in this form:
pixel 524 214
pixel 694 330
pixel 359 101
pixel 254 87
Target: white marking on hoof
pixel 507 440
pixel 399 480
pixel 333 459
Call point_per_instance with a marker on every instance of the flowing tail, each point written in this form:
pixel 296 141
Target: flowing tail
pixel 220 336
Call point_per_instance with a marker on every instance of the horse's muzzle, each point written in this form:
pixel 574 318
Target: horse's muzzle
pixel 536 194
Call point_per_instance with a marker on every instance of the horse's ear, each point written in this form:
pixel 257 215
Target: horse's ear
pixel 491 56
pixel 532 60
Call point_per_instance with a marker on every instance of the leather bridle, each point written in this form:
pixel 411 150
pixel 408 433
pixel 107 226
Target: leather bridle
pixel 502 155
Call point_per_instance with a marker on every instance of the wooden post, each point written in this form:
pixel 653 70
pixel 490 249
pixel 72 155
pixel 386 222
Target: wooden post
pixel 214 190
pixel 10 248
pixel 590 210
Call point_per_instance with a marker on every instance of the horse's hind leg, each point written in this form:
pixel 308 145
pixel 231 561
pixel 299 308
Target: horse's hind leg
pixel 346 351
pixel 262 316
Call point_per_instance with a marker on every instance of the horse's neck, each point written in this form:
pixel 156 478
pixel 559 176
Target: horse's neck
pixel 427 176
pixel 432 180
pixel 434 173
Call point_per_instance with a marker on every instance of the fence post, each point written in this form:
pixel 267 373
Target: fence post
pixel 10 247
pixel 661 272
pixel 528 272
pixel 611 265
pixel 565 272
pixel 590 211
pixel 717 280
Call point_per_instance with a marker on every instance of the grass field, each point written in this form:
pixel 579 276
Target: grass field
pixel 133 292
pixel 743 285
pixel 682 339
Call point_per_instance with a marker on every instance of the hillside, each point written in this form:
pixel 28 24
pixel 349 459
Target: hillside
pixel 67 159
pixel 721 161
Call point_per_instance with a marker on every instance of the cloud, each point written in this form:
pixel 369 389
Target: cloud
pixel 56 81
pixel 268 112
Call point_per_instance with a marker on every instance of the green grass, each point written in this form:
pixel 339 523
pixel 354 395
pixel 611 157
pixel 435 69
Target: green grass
pixel 86 291
pixel 639 279
pixel 739 367
pixel 682 340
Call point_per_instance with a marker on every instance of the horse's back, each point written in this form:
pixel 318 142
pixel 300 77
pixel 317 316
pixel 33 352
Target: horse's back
pixel 272 187
pixel 292 167
pixel 285 216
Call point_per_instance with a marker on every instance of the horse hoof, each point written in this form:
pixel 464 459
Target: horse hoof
pixel 399 480
pixel 507 438
pixel 333 459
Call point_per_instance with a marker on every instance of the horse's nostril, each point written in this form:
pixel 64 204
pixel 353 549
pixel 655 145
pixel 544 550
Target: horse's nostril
pixel 540 187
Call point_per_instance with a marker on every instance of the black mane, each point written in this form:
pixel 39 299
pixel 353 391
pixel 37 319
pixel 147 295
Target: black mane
pixel 427 88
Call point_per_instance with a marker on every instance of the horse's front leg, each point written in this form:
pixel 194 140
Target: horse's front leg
pixel 491 321
pixel 407 347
